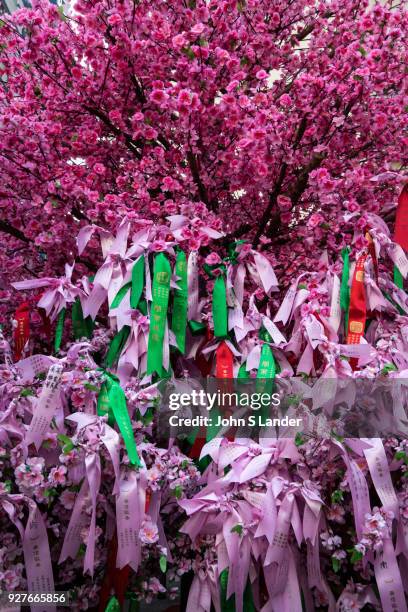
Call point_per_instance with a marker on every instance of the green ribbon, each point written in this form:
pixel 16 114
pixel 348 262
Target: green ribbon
pixel 248 598
pixel 135 285
pixel 116 346
pixel 120 295
pixel 344 286
pixel 59 330
pixel 158 314
pixel 267 364
pixel 112 399
pixel 397 306
pixel 180 302
pixel 398 278
pixel 266 371
pixel 196 327
pixel 138 274
pixel 134 605
pixel 81 328
pixel 113 605
pixel 219 308
pixel 102 406
pixel 228 605
pixel 232 251
pixel 242 372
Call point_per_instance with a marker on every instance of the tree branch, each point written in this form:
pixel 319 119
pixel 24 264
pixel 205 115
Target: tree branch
pixel 266 217
pixel 192 162
pixel 16 233
pixel 13 231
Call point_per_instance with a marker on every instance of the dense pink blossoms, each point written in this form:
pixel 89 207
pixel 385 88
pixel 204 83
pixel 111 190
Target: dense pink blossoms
pixel 264 137
pixel 268 119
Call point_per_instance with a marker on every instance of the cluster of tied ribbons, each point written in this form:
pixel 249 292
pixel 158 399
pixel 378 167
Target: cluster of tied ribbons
pixel 261 506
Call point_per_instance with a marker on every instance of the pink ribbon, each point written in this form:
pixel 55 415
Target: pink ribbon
pixel 78 521
pixel 130 506
pixel 93 474
pixel 388 577
pixel 61 291
pixel 45 407
pixel 380 474
pixel 37 557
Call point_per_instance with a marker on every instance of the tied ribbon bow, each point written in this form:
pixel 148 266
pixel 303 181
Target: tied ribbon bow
pixel 135 285
pixel 60 292
pixel 112 401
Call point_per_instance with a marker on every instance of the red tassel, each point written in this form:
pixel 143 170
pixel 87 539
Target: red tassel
pixel 22 330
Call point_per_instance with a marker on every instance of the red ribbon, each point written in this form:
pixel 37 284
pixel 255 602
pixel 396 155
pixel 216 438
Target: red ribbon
pixel 224 369
pixel 224 362
pixel 22 330
pixel 401 219
pixel 371 250
pixel 203 364
pixel 358 307
pixel 115 579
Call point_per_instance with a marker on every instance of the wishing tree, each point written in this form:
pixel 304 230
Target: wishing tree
pixel 202 188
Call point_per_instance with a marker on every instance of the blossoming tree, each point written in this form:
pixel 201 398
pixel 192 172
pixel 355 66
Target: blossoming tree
pixel 202 187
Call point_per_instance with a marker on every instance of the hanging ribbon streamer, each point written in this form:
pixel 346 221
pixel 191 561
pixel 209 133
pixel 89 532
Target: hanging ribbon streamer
pixel 103 406
pixel 45 407
pixel 219 308
pixel 138 274
pixel 117 345
pixel 107 583
pixel 224 362
pixel 158 314
pixel 193 293
pixel 401 231
pixel 37 557
pixel 267 364
pixel 398 278
pixel 358 308
pixel 93 475
pixel 120 295
pixel 112 400
pixel 344 286
pixel 180 302
pixel 82 328
pixel 113 605
pixel 22 329
pixel 223 370
pixel 59 330
pixel 227 605
pixel 401 220
pixel 267 369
